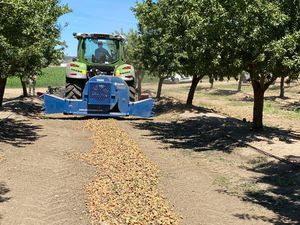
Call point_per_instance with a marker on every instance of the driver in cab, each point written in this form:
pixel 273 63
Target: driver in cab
pixel 101 54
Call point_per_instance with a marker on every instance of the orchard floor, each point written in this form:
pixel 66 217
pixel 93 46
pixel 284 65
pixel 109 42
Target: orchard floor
pixel 39 183
pixel 206 174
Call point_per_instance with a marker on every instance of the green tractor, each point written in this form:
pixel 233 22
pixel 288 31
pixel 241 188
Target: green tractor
pixel 98 54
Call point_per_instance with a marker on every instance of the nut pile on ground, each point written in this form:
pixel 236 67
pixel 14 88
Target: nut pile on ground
pixel 125 191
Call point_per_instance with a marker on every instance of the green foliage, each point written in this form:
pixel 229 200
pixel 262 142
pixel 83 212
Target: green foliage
pixel 29 35
pixel 133 50
pixel 50 76
pixel 156 49
pixel 221 38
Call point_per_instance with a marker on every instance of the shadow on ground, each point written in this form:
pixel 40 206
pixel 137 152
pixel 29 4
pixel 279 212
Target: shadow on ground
pixel 223 92
pixel 274 98
pixel 18 133
pixel 211 133
pixel 67 117
pixel 202 133
pixel 22 106
pixel 282 195
pixel 294 106
pixel 3 191
pixel 170 105
pixel 248 98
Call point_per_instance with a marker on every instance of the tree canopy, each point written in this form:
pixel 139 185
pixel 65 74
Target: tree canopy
pixel 29 36
pixel 158 51
pixel 222 38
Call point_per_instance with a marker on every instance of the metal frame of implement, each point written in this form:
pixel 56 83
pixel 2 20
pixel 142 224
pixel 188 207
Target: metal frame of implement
pixel 103 96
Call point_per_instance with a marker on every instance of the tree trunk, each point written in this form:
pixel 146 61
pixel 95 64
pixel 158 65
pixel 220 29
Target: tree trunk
pixel 258 105
pixel 2 88
pixel 211 81
pixel 160 83
pixel 24 87
pixel 195 81
pixel 140 78
pixel 288 81
pixel 241 81
pixel 281 95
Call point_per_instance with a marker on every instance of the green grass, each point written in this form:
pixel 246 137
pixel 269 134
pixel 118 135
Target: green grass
pixel 258 160
pixel 235 100
pixel 229 86
pixel 51 76
pixel 150 79
pixel 222 181
pixel 273 108
pixel 55 77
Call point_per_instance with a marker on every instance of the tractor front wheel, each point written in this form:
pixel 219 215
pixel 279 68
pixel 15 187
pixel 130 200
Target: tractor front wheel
pixel 74 88
pixel 132 91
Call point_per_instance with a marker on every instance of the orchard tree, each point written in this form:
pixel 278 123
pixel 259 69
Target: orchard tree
pixel 157 43
pixel 198 26
pixel 134 56
pixel 263 42
pixel 222 38
pixel 28 37
pixel 286 50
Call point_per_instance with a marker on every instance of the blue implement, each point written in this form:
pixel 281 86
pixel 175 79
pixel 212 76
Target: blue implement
pixel 104 96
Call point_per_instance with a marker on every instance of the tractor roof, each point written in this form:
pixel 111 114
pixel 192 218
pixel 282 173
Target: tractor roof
pixel 97 36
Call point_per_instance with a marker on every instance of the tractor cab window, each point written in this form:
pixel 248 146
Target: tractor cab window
pixel 104 51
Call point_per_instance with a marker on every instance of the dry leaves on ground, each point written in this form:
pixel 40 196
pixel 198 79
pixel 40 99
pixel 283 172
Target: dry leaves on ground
pixel 125 191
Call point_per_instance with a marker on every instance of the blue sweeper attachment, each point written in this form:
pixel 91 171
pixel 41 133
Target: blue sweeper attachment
pixel 104 96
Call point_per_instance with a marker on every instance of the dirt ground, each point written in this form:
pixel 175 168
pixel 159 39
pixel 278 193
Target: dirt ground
pixel 39 183
pixel 207 177
pixel 226 100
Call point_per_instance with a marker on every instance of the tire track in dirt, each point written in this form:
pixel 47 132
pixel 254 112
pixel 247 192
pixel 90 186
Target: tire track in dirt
pixel 46 185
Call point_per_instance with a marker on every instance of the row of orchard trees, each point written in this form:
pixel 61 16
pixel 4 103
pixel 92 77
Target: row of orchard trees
pixel 29 37
pixel 221 38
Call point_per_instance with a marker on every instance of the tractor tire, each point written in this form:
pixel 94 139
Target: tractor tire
pixel 132 93
pixel 74 88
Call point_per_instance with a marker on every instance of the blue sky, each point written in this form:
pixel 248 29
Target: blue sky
pixel 96 16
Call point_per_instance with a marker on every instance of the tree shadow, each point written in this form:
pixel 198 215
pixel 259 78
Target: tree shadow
pixel 18 133
pixel 67 117
pixel 223 92
pixel 275 87
pixel 282 195
pixel 274 98
pixel 3 191
pixel 293 106
pixel 168 105
pixel 86 118
pixel 204 133
pixel 22 106
pixel 248 98
pixel 216 133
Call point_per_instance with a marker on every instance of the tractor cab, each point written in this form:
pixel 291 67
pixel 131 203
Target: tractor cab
pixel 98 54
